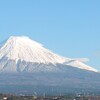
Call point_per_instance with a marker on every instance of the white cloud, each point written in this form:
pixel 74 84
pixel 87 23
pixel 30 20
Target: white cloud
pixel 82 59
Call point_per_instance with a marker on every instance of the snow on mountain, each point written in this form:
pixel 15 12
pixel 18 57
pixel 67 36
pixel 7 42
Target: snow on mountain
pixel 26 49
pixel 22 48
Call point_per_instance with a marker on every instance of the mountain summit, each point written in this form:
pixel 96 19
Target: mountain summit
pixel 21 54
pixel 23 48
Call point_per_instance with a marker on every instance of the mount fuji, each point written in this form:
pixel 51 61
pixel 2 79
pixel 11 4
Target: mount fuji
pixel 21 54
pixel 26 66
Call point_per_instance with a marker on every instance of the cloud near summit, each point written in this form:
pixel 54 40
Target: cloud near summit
pixel 82 59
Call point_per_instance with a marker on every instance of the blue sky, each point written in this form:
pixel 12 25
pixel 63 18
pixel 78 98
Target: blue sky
pixel 70 28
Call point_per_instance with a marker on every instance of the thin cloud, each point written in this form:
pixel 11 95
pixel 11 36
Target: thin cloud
pixel 82 59
pixel 96 53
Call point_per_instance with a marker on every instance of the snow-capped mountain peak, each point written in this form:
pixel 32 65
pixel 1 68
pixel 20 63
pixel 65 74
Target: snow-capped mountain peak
pixel 24 48
pixel 22 51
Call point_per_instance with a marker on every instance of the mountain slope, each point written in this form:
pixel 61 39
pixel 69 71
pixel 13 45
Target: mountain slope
pixel 21 54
